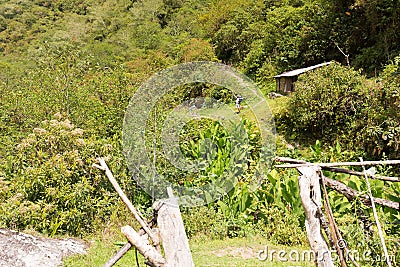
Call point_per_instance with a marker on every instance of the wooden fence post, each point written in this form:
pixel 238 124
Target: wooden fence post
pixel 172 233
pixel 310 195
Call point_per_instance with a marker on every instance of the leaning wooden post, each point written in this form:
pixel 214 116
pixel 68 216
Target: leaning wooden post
pixel 138 216
pixel 172 232
pixel 310 195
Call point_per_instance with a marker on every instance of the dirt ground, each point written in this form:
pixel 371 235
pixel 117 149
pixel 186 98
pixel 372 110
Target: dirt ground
pixel 243 252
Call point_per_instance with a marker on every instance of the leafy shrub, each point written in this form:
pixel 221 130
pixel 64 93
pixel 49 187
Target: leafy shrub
pixel 9 11
pixel 204 222
pixel 327 103
pixel 383 130
pixel 50 184
pixel 3 23
pixel 336 104
pixel 245 215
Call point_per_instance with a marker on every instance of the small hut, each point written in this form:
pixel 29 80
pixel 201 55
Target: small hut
pixel 285 81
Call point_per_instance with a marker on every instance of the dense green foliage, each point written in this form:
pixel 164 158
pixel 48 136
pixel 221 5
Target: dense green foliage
pixel 258 35
pixel 50 185
pixel 83 60
pixel 337 104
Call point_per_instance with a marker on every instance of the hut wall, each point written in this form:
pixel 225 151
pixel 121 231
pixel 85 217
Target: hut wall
pixel 285 84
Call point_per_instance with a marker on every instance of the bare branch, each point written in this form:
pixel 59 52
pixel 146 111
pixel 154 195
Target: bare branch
pixel 340 170
pixel 127 202
pixel 335 164
pixel 345 55
pixel 351 194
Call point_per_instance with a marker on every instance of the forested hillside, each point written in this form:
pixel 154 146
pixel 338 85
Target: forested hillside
pixel 68 69
pixel 66 49
pixel 259 36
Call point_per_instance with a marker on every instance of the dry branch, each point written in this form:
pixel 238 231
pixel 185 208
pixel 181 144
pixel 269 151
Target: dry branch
pixel 122 251
pixel 148 251
pixel 351 194
pixel 351 172
pixel 348 192
pixel 344 54
pixel 334 229
pixel 118 255
pixel 336 164
pixel 311 172
pixel 138 216
pixel 340 170
pixel 172 231
pixel 378 224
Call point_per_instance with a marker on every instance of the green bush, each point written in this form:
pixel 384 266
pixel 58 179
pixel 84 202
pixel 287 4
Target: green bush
pixel 336 104
pixel 49 183
pixel 204 222
pixel 327 103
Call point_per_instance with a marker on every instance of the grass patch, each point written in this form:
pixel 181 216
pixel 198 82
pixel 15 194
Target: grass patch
pixel 239 252
pixel 102 247
pixel 206 252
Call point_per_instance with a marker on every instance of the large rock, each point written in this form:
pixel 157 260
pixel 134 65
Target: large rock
pixel 23 250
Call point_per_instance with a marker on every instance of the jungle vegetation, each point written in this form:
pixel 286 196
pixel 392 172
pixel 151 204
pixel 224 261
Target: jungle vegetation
pixel 68 69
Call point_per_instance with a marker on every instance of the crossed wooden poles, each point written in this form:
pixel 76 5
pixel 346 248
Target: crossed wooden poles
pixel 310 181
pixel 170 233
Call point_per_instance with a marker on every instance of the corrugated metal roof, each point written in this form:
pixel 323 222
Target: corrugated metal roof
pixel 300 71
